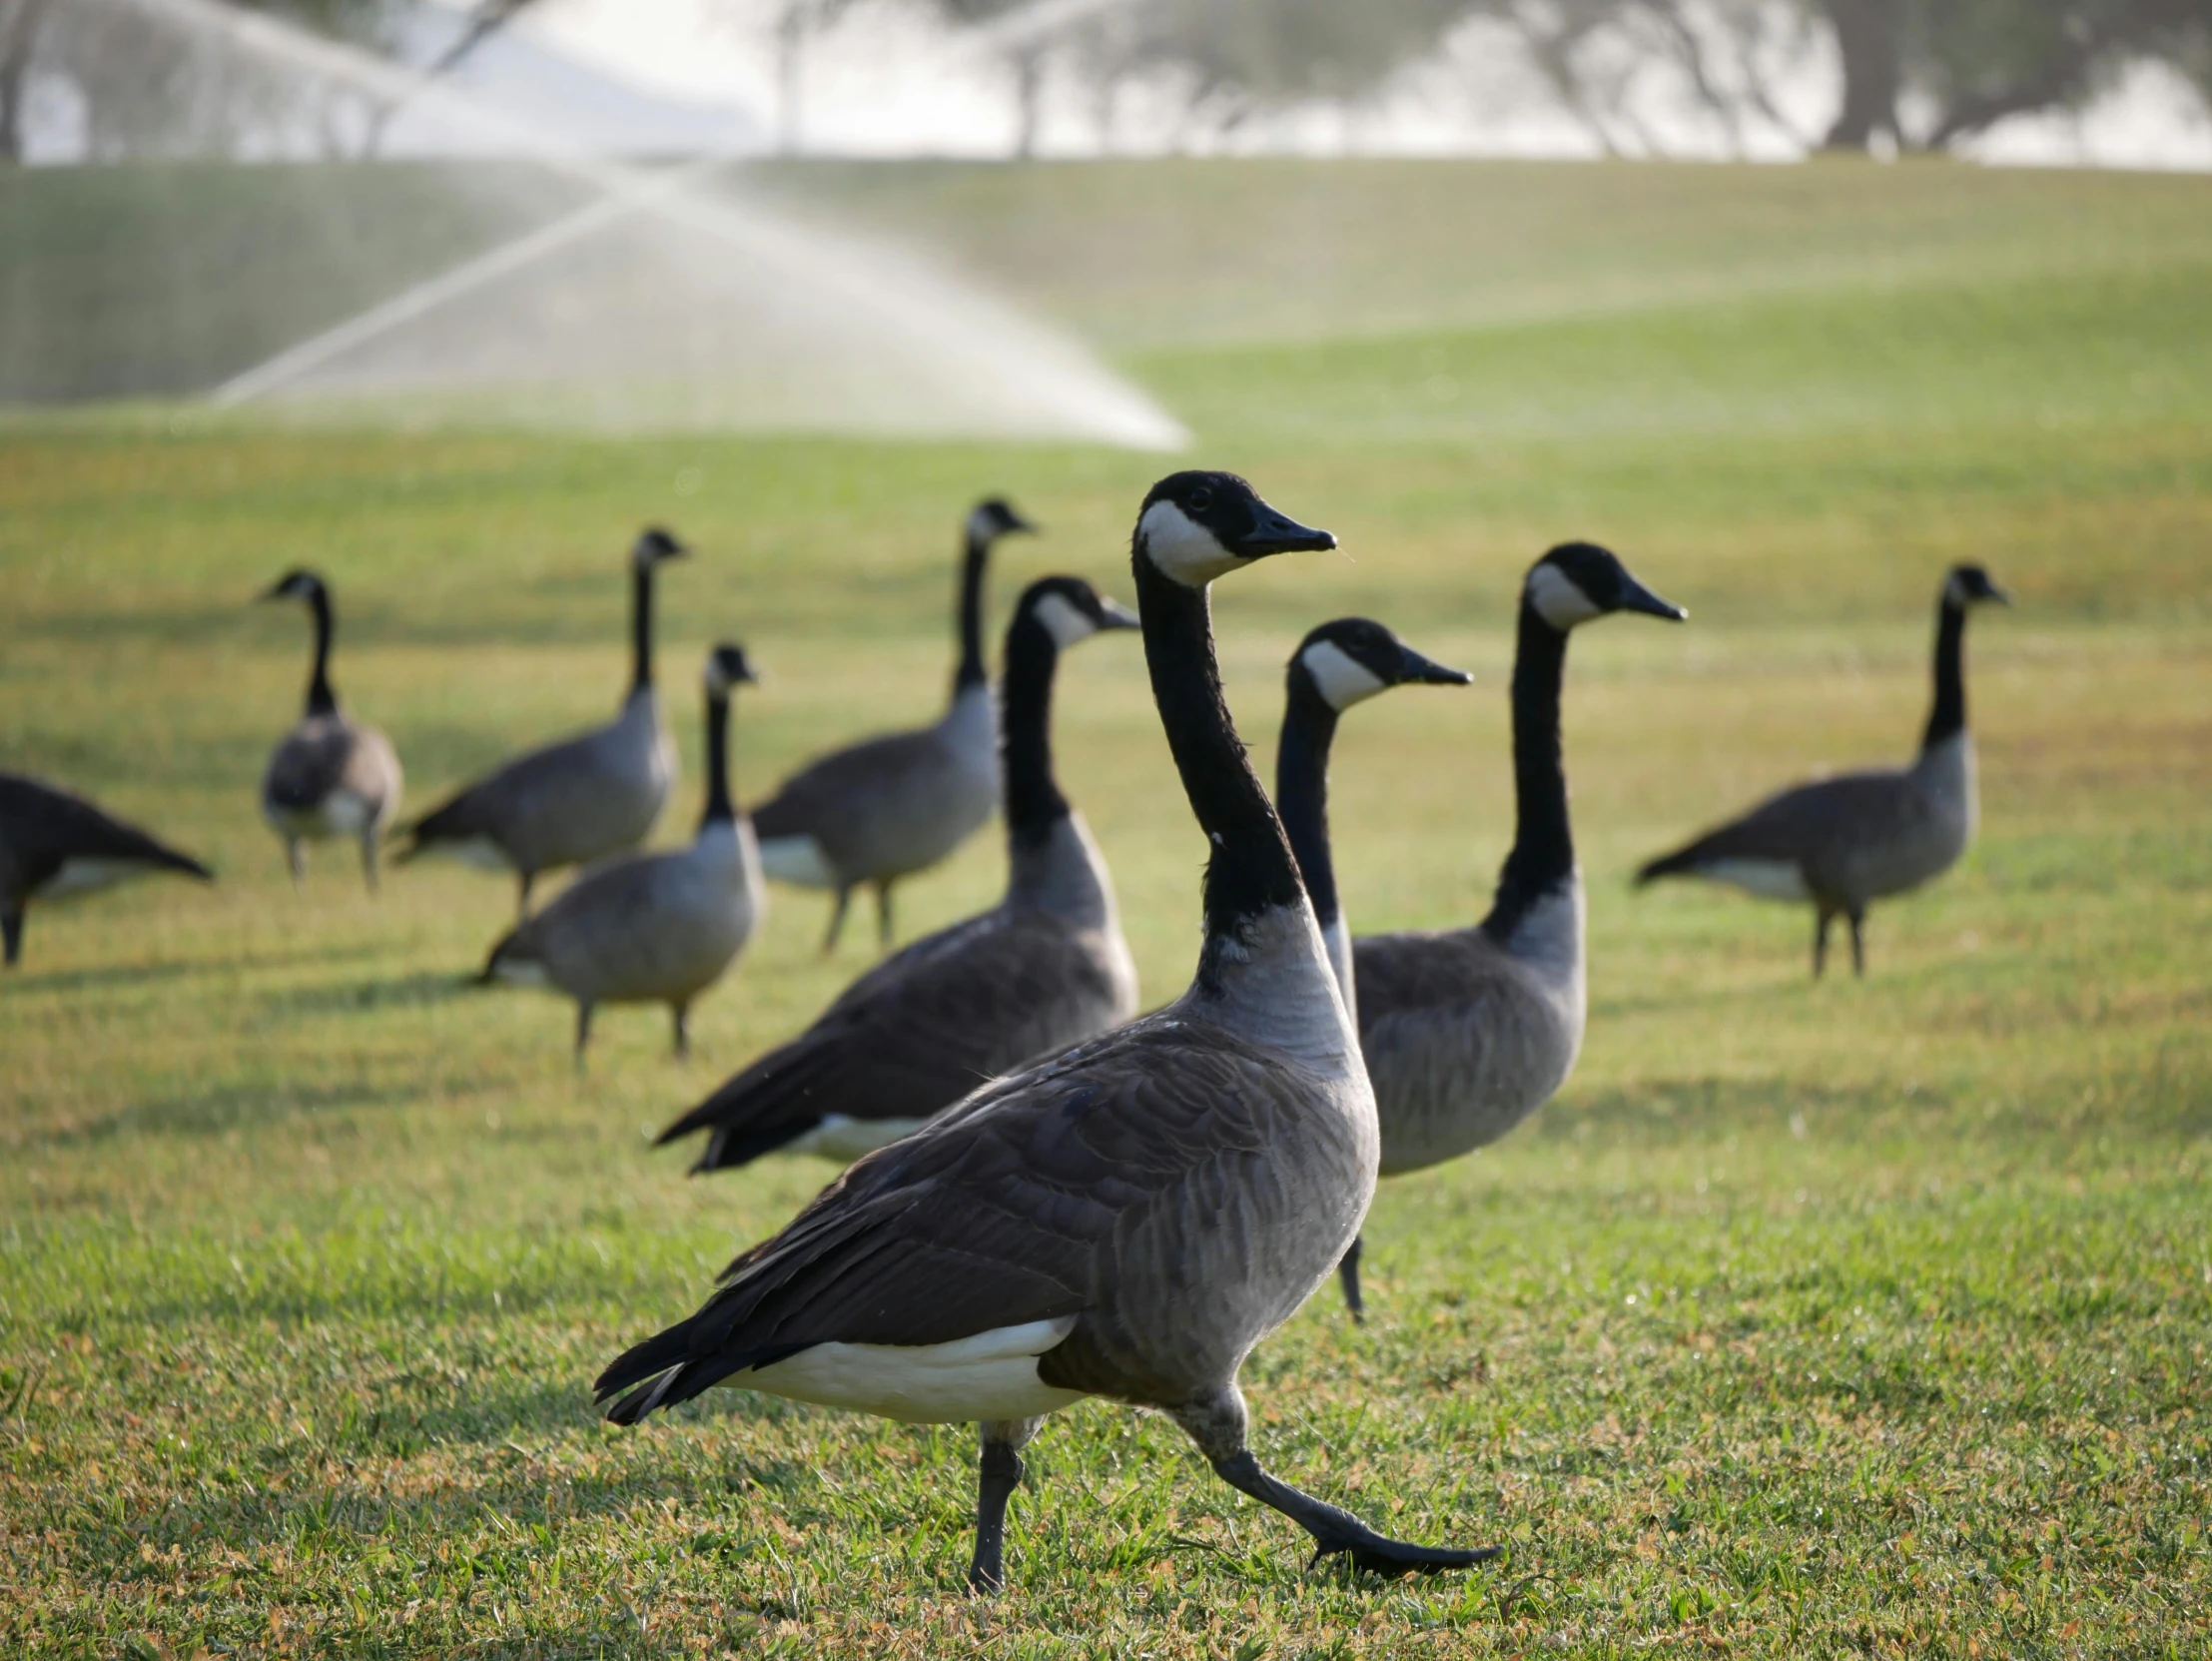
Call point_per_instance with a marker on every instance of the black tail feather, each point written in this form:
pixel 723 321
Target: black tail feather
pixel 760 1110
pixel 668 1370
pixel 1679 862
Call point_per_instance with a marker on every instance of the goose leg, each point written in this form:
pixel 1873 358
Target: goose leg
pixel 1821 922
pixel 683 1031
pixel 583 1033
pixel 1347 1274
pixel 11 937
pixel 1216 1424
pixel 837 919
pixel 294 862
pixel 523 879
pixel 368 858
pixel 998 1475
pixel 1859 945
pixel 883 915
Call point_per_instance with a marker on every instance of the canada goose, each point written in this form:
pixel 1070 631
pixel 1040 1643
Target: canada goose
pixel 53 844
pixel 1128 1218
pixel 1843 842
pixel 1044 969
pixel 653 927
pixel 331 775
pixel 888 807
pixel 1336 665
pixel 579 800
pixel 1469 1031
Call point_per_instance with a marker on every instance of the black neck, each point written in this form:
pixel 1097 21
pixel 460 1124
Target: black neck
pixel 1948 716
pixel 1251 868
pixel 1542 855
pixel 719 807
pixel 1033 804
pixel 322 700
pixel 971 671
pixel 642 625
pixel 1302 788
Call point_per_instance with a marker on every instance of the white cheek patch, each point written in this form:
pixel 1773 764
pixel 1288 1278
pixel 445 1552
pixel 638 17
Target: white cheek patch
pixel 1341 679
pixel 1062 620
pixel 1954 591
pixel 1181 547
pixel 1556 600
pixel 982 526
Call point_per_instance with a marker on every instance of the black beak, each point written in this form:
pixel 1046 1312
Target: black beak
pixel 1416 670
pixel 1273 532
pixel 1114 614
pixel 1636 597
pixel 1990 592
pixel 1014 522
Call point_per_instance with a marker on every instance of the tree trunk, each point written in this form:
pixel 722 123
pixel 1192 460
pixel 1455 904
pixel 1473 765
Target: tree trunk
pixel 791 43
pixel 1029 92
pixel 18 34
pixel 1869 43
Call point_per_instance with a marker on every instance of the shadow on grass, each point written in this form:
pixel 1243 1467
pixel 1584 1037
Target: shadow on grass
pixel 417 990
pixel 146 974
pixel 215 1110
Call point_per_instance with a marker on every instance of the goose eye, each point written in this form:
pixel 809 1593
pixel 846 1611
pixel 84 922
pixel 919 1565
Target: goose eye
pixel 1201 499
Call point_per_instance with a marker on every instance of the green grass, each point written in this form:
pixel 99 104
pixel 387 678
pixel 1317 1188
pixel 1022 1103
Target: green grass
pixel 1859 1317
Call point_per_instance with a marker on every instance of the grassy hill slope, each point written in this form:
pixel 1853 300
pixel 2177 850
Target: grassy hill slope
pixel 1865 1316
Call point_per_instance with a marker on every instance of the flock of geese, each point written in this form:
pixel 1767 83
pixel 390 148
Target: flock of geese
pixel 1124 1205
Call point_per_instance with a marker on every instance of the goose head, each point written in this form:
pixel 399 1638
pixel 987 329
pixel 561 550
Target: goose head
pixel 299 583
pixel 1197 526
pixel 1971 585
pixel 1352 658
pixel 728 666
pixel 654 545
pixel 993 517
pixel 1577 581
pixel 1070 609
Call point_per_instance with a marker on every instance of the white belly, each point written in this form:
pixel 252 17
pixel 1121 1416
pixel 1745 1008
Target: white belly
pixel 795 860
pixel 845 1139
pixel 82 875
pixel 479 851
pixel 991 1375
pixel 1770 879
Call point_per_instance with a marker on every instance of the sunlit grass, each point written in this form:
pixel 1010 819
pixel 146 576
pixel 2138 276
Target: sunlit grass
pixel 1864 1317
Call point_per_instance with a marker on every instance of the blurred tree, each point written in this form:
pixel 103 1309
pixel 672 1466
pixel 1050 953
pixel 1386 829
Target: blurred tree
pixel 1918 74
pixel 1240 58
pixel 1024 54
pixel 19 29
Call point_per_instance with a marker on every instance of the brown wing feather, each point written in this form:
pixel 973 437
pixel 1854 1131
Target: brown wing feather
pixel 913 1036
pixel 1805 825
pixel 825 795
pixel 1003 1211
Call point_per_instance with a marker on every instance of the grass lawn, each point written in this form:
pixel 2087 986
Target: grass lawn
pixel 1853 1318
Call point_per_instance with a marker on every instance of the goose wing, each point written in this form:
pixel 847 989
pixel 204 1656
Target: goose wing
pixel 42 827
pixel 1810 825
pixel 1397 974
pixel 1017 1206
pixel 913 1035
pixel 613 925
pixel 827 795
pixel 556 783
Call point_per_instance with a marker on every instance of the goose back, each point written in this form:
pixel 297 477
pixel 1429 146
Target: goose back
pixel 889 806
